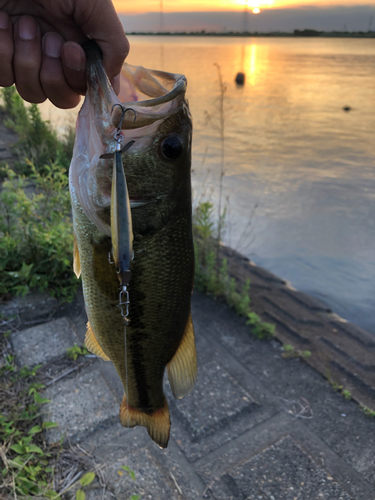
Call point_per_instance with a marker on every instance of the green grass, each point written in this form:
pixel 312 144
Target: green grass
pixel 36 233
pixel 37 142
pixel 291 352
pixel 75 351
pixel 27 469
pixel 366 410
pixel 211 273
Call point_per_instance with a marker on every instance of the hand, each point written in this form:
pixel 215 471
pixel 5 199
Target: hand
pixel 40 47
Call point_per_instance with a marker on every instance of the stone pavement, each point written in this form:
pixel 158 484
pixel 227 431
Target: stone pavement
pixel 256 426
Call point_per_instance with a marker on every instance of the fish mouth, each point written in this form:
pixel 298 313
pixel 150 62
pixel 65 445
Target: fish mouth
pixel 153 95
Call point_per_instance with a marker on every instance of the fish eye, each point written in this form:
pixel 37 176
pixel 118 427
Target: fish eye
pixel 171 147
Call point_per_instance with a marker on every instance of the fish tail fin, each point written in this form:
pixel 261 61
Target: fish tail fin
pixel 182 369
pixel 158 423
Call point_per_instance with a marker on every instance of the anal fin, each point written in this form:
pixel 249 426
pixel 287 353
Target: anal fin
pixel 182 369
pixel 76 259
pixel 93 345
pixel 158 423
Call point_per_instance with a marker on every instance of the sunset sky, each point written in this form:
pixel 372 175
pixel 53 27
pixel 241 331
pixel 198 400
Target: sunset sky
pixel 143 6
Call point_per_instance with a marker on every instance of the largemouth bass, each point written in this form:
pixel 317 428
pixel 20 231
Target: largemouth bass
pixel 157 171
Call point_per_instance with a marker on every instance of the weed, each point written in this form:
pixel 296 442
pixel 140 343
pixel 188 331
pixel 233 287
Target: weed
pixel 367 411
pixel 132 475
pixel 291 352
pixel 37 140
pixel 87 479
pixel 347 394
pixel 27 469
pixel 344 392
pixel 336 387
pixel 75 351
pixel 259 328
pixel 212 276
pixel 221 215
pixel 36 233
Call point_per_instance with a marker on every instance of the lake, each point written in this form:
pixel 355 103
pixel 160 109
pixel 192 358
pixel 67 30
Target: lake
pixel 299 180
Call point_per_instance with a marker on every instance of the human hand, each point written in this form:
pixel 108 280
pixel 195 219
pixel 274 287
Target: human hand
pixel 40 47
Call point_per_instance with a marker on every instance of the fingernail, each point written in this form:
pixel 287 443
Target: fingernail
pixel 73 57
pixel 27 28
pixel 52 44
pixel 3 20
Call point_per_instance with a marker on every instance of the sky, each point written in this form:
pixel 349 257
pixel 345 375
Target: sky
pixel 143 6
pixel 334 17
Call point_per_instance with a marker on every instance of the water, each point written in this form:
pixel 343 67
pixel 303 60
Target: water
pixel 299 171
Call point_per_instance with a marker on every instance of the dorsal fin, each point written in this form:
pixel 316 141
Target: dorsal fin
pixel 182 369
pixel 93 345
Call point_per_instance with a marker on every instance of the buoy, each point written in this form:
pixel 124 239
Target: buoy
pixel 240 78
pixel 346 108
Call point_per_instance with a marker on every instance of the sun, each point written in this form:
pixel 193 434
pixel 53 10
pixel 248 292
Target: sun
pixel 256 10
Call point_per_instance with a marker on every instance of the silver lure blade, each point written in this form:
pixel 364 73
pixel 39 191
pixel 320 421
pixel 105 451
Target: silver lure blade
pixel 121 221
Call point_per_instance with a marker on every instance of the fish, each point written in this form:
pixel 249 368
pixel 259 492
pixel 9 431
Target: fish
pixel 144 326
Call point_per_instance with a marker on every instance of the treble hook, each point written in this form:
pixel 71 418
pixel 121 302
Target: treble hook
pixel 118 135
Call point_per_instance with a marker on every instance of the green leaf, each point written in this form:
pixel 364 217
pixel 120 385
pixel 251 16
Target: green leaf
pixel 38 399
pixel 33 448
pixel 131 472
pixel 18 449
pixel 135 497
pixel 87 479
pixel 80 495
pixel 35 429
pixel 49 425
pixel 52 495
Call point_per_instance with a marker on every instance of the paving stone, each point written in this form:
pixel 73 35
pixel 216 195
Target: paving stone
pixel 151 480
pixel 215 399
pixel 80 405
pixel 40 344
pixel 34 307
pixel 284 471
pixel 118 445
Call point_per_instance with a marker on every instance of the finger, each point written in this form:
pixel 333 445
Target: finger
pixel 6 51
pixel 27 59
pixel 74 62
pixel 100 22
pixel 115 82
pixel 52 75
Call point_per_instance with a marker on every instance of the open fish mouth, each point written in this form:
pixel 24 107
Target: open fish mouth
pixel 154 96
pixel 143 88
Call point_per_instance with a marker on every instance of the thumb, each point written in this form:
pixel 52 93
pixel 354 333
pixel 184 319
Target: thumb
pixel 99 21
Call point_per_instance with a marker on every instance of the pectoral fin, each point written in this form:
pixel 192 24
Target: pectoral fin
pixel 76 260
pixel 93 345
pixel 182 369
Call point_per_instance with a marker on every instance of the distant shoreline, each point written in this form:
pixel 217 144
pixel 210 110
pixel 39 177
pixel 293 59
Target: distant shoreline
pixel 295 34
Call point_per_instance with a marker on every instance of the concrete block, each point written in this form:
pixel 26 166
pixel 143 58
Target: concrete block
pixel 151 481
pixel 283 471
pixel 40 344
pixel 80 405
pixel 216 399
